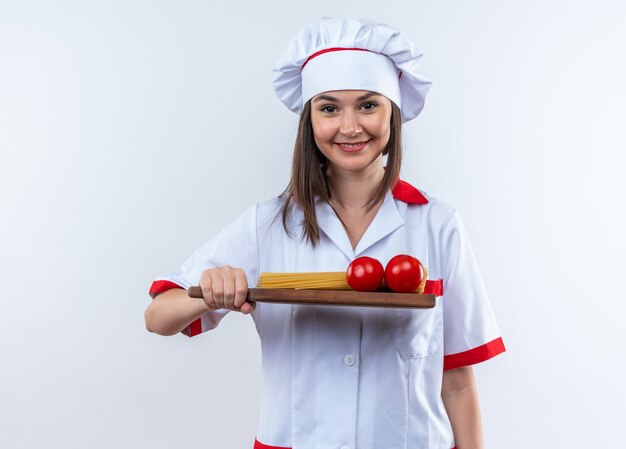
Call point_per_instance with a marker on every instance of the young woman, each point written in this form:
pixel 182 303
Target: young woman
pixel 348 377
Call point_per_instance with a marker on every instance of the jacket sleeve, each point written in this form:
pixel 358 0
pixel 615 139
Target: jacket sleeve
pixel 471 334
pixel 235 245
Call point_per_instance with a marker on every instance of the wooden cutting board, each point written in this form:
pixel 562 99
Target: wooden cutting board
pixel 335 297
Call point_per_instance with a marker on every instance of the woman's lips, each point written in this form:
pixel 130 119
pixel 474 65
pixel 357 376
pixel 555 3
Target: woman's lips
pixel 352 147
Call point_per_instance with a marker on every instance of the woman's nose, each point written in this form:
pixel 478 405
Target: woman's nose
pixel 349 125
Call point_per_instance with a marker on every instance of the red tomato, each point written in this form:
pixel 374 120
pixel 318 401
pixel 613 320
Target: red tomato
pixel 404 274
pixel 365 274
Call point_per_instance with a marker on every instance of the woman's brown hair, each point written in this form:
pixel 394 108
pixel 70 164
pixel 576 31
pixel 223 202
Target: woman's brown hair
pixel 308 173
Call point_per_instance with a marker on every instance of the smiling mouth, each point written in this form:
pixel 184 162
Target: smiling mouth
pixel 352 147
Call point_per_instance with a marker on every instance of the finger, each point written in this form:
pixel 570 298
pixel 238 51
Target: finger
pixel 241 288
pixel 229 288
pixel 217 284
pixel 207 291
pixel 247 307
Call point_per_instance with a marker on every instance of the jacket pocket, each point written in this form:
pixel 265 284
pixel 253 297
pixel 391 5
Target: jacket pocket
pixel 418 332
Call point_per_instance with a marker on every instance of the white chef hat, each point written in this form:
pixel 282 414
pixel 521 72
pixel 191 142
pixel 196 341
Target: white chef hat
pixel 351 54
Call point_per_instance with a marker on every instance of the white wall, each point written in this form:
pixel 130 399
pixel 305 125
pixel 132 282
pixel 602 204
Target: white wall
pixel 130 132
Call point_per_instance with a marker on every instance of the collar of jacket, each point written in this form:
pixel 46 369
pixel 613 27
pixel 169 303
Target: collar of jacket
pixel 405 192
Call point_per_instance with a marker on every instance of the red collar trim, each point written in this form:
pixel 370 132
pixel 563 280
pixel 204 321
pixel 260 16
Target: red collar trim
pixel 404 191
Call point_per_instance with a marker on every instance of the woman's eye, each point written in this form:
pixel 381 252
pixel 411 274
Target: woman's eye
pixel 328 109
pixel 368 106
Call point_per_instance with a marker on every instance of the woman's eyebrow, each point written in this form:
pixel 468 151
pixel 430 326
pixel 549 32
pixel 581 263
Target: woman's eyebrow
pixel 325 97
pixel 366 96
pixel 329 98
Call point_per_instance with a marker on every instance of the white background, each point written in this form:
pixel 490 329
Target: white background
pixel 131 131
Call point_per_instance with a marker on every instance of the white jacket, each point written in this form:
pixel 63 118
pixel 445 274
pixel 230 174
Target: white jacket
pixel 355 377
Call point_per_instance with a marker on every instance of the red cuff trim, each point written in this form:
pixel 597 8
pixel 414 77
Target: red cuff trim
pixel 159 287
pixel 475 355
pixel 195 328
pixel 258 445
pixel 434 287
pixel 404 191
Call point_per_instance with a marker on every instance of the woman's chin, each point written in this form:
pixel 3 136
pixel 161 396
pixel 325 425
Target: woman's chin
pixel 355 166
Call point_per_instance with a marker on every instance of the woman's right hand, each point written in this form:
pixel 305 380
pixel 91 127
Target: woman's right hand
pixel 225 288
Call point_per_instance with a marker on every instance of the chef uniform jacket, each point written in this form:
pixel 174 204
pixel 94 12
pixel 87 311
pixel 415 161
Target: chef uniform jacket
pixel 355 377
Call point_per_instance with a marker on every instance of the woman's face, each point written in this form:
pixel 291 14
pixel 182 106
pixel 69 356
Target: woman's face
pixel 351 127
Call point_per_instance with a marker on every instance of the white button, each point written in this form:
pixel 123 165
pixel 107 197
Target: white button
pixel 349 360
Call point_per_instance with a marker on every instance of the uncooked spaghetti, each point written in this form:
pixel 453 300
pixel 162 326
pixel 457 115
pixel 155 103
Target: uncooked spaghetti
pixel 330 280
pixel 319 280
